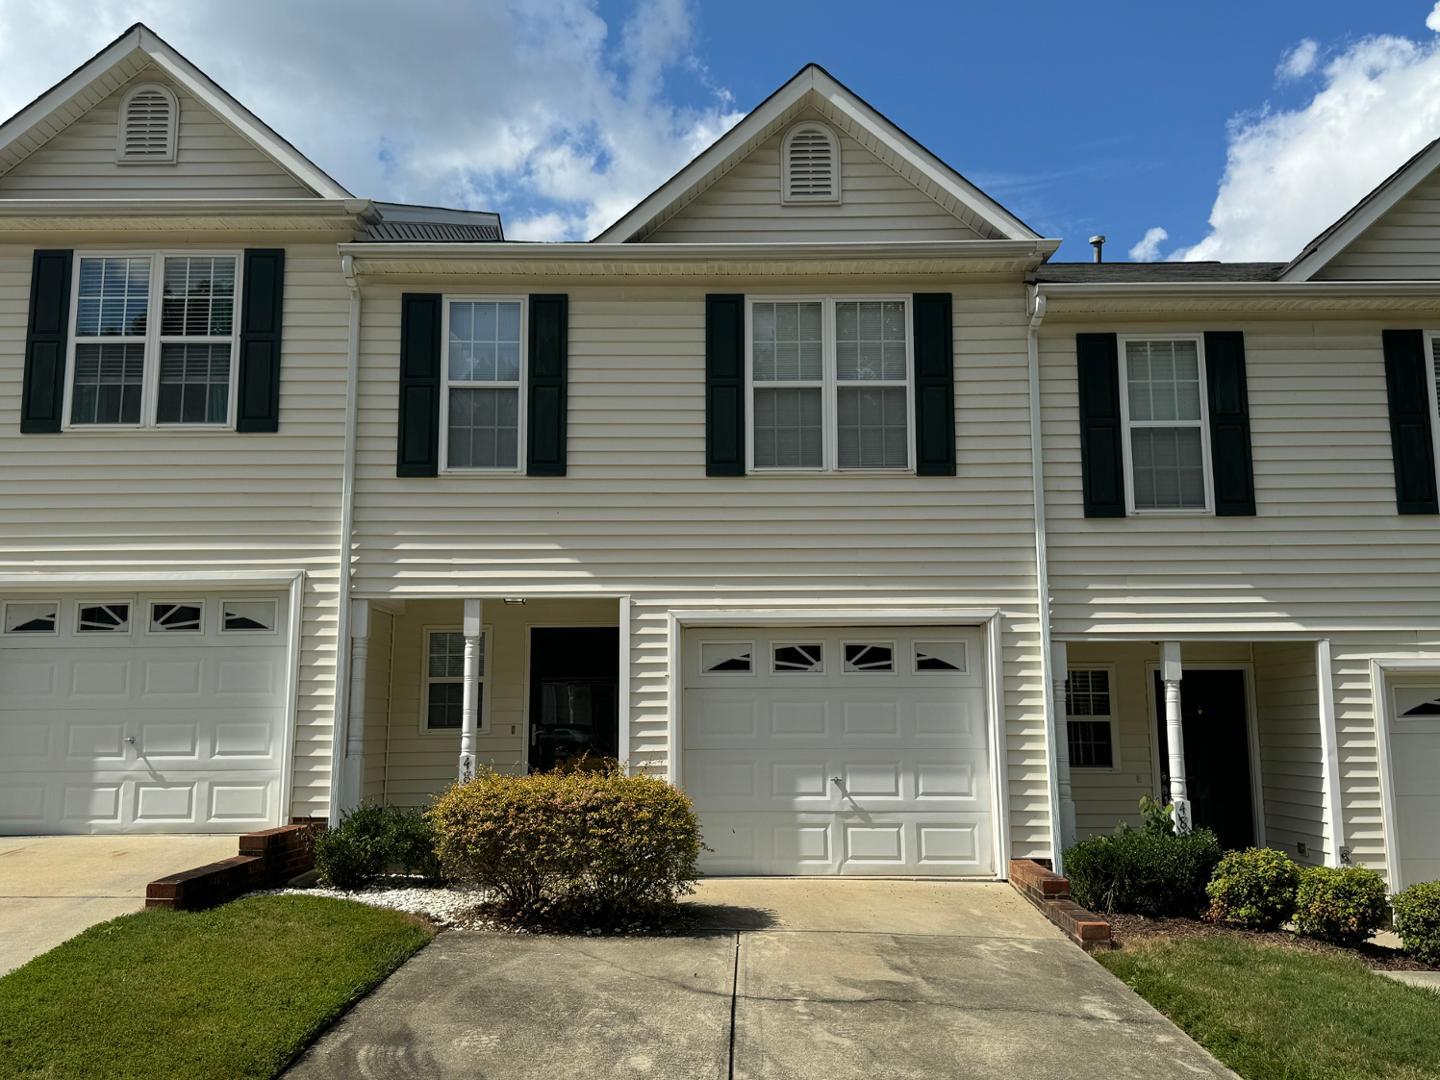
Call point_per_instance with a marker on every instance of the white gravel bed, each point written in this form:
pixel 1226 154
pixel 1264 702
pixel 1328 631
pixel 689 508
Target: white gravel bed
pixel 442 905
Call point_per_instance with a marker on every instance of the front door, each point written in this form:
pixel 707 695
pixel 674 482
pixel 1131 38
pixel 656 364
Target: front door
pixel 574 694
pixel 1217 752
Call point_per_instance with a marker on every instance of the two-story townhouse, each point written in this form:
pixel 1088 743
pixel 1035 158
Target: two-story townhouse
pixel 742 493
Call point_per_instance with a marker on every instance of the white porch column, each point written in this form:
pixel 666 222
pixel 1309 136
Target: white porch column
pixel 1060 672
pixel 1170 675
pixel 470 694
pixel 352 782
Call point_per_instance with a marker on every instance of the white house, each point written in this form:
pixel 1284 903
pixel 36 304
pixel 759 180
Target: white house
pixel 804 485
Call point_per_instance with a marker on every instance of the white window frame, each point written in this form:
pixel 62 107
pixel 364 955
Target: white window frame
pixel 700 660
pixel 1112 719
pixel 482 725
pixel 1126 426
pixel 1431 395
pixel 520 384
pixel 829 384
pixel 172 136
pixel 129 602
pixel 59 617
pixel 153 339
pixel 789 199
pixel 930 673
pixel 148 610
pixel 275 607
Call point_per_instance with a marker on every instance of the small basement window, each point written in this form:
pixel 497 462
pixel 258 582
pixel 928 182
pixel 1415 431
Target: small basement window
pixel 148 115
pixel 810 165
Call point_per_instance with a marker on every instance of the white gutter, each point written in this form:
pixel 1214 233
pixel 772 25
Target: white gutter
pixel 516 251
pixel 161 208
pixel 339 730
pixel 1065 289
pixel 1042 578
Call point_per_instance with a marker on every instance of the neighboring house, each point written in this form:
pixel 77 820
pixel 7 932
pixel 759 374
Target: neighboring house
pixel 742 492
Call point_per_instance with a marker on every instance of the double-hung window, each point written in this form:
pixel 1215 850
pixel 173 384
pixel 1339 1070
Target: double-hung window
pixel 445 682
pixel 1162 405
pixel 153 340
pixel 482 409
pixel 1089 718
pixel 830 384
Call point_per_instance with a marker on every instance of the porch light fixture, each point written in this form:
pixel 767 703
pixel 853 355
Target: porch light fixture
pixel 515 600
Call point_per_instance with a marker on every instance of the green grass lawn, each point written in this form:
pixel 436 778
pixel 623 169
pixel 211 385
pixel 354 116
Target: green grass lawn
pixel 1277 1012
pixel 233 992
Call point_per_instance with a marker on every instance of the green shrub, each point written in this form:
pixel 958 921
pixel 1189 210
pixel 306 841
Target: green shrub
pixel 1343 906
pixel 1417 920
pixel 571 849
pixel 1254 889
pixel 1145 871
pixel 373 839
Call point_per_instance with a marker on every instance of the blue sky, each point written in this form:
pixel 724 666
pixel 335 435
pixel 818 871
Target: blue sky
pixel 1221 129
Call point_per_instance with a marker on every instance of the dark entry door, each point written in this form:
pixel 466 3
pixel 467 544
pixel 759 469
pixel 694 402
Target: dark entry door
pixel 574 694
pixel 1217 752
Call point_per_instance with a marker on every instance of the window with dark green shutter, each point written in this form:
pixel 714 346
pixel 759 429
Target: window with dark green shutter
pixel 1102 462
pixel 1232 469
pixel 724 385
pixel 1408 373
pixel 262 316
pixel 43 395
pixel 418 443
pixel 549 334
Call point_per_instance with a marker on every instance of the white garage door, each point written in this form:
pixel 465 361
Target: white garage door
pixel 839 751
pixel 142 713
pixel 1415 781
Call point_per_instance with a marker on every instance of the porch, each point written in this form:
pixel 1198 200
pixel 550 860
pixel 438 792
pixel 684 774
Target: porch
pixel 1236 734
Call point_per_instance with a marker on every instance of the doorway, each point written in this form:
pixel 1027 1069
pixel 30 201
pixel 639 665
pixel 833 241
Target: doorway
pixel 1214 713
pixel 574 694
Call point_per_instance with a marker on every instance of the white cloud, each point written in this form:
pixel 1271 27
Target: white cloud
pixel 1299 61
pixel 1290 173
pixel 543 112
pixel 1148 247
pixel 1432 21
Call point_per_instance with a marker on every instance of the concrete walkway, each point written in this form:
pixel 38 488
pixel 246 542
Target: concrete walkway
pixel 830 980
pixel 53 887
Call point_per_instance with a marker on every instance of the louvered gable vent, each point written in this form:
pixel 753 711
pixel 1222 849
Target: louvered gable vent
pixel 147 125
pixel 811 172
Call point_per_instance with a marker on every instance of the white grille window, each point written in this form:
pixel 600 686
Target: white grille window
pixel 147 126
pixel 482 403
pixel 1090 721
pixel 810 169
pixel 1162 401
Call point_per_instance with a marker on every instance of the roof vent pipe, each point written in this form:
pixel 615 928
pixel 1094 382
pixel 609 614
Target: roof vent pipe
pixel 1098 243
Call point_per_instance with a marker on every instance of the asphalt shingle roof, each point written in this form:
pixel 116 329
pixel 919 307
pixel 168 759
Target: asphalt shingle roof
pixel 1118 273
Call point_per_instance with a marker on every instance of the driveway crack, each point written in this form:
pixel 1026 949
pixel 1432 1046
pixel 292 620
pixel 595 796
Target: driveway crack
pixel 734 994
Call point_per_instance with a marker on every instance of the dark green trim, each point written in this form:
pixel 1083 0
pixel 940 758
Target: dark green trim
pixel 42 398
pixel 262 315
pixel 549 338
pixel 1102 464
pixel 724 384
pixel 1228 399
pixel 417 450
pixel 934 384
pixel 1411 431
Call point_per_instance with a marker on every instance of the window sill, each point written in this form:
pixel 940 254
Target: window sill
pixel 147 429
pixel 842 474
pixel 452 731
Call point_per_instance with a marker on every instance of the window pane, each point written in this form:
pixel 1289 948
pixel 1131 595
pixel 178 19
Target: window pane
pixel 871 427
pixel 484 428
pixel 870 339
pixel 447 655
pixel 484 344
pixel 444 704
pixel 787 429
pixel 198 299
pixel 31 618
pixel 1090 744
pixel 786 342
pixel 103 618
pixel 114 297
pixel 107 384
pixel 183 618
pixel 1168 471
pixel 1163 380
pixel 194 384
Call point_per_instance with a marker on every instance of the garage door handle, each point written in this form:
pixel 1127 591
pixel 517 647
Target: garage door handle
pixel 837 781
pixel 130 739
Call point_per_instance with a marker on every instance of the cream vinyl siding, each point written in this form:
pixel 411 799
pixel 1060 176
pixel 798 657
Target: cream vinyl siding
pixel 877 203
pixel 171 501
pixel 1402 245
pixel 1106 797
pixel 1293 774
pixel 636 515
pixel 377 704
pixel 212 159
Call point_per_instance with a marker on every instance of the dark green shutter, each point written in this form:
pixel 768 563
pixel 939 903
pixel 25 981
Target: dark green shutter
pixel 1410 426
pixel 261 318
pixel 724 385
pixel 43 397
pixel 418 448
pixel 1102 464
pixel 1229 424
pixel 934 385
pixel 549 333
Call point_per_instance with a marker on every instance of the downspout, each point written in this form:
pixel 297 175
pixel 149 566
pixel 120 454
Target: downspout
pixel 339 731
pixel 1042 576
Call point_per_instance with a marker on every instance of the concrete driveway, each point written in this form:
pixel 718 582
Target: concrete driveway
pixel 52 887
pixel 829 980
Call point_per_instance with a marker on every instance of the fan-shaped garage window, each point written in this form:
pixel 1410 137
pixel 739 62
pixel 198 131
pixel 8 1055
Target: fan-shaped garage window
pixel 810 165
pixel 147 125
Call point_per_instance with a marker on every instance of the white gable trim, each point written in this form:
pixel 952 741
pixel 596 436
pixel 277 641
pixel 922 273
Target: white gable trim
pixel 141 41
pixel 1362 215
pixel 815 80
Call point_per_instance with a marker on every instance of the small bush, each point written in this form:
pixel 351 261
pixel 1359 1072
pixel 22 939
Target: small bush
pixel 1254 889
pixel 1342 906
pixel 373 839
pixel 1417 920
pixel 573 849
pixel 1145 871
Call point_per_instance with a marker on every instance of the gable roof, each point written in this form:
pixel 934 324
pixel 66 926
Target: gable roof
pixel 1362 215
pixel 135 49
pixel 815 88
